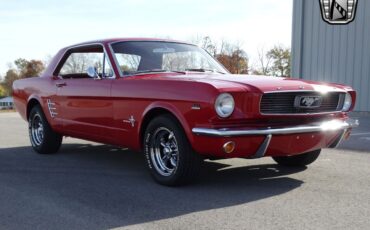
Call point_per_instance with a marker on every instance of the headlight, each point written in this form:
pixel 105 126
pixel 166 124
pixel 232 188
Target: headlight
pixel 224 105
pixel 347 102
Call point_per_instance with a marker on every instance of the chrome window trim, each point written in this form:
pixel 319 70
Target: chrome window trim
pixel 115 59
pixel 81 46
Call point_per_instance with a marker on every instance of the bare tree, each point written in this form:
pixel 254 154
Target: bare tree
pixel 280 56
pixel 263 63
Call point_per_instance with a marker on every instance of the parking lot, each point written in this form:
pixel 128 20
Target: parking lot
pixel 93 186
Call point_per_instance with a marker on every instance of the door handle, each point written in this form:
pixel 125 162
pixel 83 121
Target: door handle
pixel 61 84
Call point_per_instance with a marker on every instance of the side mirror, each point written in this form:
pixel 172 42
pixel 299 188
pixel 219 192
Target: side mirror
pixel 91 72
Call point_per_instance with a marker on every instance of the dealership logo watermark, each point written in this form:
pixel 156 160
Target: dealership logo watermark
pixel 338 12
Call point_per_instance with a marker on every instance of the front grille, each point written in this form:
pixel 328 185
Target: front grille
pixel 284 102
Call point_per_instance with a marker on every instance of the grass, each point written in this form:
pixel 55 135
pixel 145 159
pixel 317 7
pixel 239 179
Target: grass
pixel 7 111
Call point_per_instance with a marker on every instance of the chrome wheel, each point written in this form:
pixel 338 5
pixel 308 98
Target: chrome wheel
pixel 37 130
pixel 164 151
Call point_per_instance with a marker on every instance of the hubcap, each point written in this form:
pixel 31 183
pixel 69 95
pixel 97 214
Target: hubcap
pixel 37 130
pixel 164 151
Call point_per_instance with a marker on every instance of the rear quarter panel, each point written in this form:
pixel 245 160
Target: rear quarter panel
pixel 37 88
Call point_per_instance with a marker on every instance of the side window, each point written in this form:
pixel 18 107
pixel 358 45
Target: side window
pixel 128 62
pixel 77 63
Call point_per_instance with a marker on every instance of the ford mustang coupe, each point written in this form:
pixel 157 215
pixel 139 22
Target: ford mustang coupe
pixel 178 105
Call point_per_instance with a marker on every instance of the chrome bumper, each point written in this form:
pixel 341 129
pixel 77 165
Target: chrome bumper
pixel 333 125
pixel 327 126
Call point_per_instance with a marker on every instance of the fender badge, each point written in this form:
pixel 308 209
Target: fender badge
pixel 131 120
pixel 195 107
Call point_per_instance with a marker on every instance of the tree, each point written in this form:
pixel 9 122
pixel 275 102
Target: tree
pixel 234 59
pixel 10 76
pixel 275 62
pixel 24 69
pixel 231 55
pixel 30 68
pixel 208 45
pixel 281 60
pixel 2 91
pixel 264 63
pixel 20 64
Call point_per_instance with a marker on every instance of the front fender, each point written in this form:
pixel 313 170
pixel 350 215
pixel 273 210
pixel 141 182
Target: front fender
pixel 174 110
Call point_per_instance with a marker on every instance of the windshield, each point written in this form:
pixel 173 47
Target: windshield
pixel 138 57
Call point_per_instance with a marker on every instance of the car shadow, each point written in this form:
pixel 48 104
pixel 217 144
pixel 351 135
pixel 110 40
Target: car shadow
pixel 98 186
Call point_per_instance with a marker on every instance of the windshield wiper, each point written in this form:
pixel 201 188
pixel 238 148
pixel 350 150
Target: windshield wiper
pixel 205 70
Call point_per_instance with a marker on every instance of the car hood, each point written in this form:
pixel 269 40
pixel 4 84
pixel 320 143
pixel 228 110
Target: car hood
pixel 262 84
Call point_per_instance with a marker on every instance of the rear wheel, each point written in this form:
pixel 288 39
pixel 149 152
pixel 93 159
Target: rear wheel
pixel 43 139
pixel 169 155
pixel 298 160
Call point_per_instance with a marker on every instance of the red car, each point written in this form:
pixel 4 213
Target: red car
pixel 178 105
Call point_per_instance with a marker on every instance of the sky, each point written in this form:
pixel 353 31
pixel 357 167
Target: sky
pixel 37 29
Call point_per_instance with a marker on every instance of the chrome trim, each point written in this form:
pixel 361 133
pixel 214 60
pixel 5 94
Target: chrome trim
pixel 332 125
pixel 195 107
pixel 52 108
pixel 305 91
pixel 338 140
pixel 341 102
pixel 115 60
pixel 84 45
pixel 299 91
pixel 298 98
pixel 263 147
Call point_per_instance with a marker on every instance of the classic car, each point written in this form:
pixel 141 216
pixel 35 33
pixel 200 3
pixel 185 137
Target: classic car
pixel 178 105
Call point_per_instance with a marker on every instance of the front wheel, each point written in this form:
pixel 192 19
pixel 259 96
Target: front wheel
pixel 43 139
pixel 298 160
pixel 169 156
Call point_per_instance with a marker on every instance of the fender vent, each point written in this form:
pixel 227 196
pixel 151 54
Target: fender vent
pixel 52 109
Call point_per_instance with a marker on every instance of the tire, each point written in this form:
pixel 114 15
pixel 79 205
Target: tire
pixel 43 139
pixel 169 156
pixel 298 160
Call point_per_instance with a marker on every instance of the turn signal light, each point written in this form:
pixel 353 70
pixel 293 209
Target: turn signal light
pixel 229 147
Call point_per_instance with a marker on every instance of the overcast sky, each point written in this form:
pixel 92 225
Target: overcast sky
pixel 34 29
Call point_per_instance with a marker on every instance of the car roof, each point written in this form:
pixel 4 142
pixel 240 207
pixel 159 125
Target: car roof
pixel 114 40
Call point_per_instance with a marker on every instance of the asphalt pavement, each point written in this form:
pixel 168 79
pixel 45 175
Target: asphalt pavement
pixel 93 186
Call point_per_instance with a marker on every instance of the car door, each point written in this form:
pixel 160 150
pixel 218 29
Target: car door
pixel 85 103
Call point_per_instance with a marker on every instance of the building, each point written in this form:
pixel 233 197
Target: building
pixel 332 53
pixel 6 103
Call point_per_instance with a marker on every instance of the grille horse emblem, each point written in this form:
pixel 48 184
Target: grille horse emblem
pixel 307 101
pixel 338 11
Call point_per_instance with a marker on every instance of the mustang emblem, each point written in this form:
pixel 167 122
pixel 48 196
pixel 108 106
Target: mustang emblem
pixel 131 120
pixel 307 101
